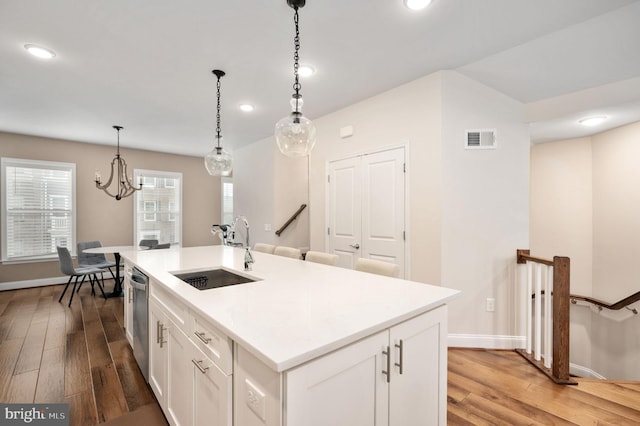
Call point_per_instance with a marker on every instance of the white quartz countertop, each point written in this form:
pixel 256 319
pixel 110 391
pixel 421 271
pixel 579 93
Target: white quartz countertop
pixel 297 310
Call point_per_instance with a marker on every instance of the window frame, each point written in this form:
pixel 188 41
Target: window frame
pixel 151 178
pixel 6 162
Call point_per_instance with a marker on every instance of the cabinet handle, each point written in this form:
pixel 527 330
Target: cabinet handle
pixel 201 336
pixel 399 365
pixel 387 353
pixel 198 364
pixel 160 334
pixel 130 294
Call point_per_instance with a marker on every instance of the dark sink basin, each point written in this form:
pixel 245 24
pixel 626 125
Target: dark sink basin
pixel 212 278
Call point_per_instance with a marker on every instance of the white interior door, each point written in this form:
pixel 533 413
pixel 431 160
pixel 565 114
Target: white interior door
pixel 383 207
pixel 345 212
pixel 366 208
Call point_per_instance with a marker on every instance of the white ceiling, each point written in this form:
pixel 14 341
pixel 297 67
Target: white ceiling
pixel 146 64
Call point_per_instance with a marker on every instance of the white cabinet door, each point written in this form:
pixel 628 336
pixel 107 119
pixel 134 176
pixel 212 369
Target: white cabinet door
pixel 158 331
pixel 418 384
pixel 180 374
pixel 213 397
pixel 344 388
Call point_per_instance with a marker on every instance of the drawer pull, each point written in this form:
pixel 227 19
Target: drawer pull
pixel 201 336
pixel 399 365
pixel 160 334
pixel 198 364
pixel 387 373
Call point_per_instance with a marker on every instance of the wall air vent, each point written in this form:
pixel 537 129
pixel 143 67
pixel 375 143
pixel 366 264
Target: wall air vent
pixel 480 139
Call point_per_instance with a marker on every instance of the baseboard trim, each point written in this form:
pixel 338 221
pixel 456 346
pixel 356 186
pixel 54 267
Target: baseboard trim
pixel 580 371
pixel 42 282
pixel 485 341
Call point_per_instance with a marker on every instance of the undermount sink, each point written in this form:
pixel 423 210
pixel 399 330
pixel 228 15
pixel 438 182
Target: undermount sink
pixel 212 278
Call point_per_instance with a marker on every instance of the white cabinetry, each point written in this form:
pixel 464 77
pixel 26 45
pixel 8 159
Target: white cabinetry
pixel 190 364
pixel 395 377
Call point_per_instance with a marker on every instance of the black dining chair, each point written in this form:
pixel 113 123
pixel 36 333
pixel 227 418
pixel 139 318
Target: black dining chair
pixel 148 243
pixel 67 268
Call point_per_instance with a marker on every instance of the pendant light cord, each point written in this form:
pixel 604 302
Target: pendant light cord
pixel 218 113
pixel 296 57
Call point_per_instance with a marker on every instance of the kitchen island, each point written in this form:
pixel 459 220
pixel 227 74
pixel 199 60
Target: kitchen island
pixel 303 344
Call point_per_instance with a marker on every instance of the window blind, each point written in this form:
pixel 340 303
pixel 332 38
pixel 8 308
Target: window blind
pixel 227 201
pixel 158 207
pixel 38 208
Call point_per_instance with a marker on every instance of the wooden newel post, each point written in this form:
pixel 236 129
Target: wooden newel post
pixel 561 304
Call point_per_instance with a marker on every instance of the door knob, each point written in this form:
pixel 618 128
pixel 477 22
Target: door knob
pixel 355 246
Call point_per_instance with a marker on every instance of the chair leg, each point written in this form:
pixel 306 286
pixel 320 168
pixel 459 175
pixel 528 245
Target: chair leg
pixel 74 288
pixel 65 289
pixel 101 286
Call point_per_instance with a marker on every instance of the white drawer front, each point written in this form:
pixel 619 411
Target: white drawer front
pixel 215 344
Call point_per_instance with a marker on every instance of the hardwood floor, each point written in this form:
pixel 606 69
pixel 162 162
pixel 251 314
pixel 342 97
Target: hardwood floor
pixel 80 356
pixel 501 388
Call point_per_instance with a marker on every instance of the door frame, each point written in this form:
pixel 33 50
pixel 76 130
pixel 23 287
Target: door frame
pixel 403 143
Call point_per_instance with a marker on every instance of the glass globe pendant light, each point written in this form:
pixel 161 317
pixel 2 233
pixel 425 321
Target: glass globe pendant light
pixel 218 161
pixel 295 134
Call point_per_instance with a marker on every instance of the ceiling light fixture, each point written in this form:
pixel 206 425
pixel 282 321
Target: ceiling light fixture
pixel 295 134
pixel 119 172
pixel 593 121
pixel 247 107
pixel 417 4
pixel 39 51
pixel 218 161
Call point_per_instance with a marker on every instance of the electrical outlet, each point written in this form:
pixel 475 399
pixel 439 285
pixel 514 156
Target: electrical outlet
pixel 491 304
pixel 255 399
pixel 267 227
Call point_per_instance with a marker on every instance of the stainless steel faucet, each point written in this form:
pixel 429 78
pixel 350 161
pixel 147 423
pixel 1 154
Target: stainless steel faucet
pixel 248 259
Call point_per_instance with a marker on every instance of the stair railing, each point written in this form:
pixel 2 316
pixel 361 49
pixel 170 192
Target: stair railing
pixel 291 219
pixel 546 325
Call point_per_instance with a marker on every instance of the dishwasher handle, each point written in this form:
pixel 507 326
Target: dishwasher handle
pixel 138 286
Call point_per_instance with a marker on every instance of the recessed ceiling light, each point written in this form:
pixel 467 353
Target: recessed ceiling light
pixel 306 70
pixel 593 121
pixel 416 4
pixel 39 51
pixel 247 107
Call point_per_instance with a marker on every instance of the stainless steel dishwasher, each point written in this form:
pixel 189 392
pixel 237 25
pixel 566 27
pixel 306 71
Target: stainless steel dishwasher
pixel 139 282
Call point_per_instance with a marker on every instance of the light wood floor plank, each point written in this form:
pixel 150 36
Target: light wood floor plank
pixel 50 387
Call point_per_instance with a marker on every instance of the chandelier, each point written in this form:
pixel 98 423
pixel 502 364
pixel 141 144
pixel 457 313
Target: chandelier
pixel 295 134
pixel 123 186
pixel 218 161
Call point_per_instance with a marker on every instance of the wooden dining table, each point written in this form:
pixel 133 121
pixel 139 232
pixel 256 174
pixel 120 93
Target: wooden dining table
pixel 115 250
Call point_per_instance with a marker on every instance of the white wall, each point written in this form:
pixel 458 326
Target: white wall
pixel 485 205
pixel 268 189
pixel 408 114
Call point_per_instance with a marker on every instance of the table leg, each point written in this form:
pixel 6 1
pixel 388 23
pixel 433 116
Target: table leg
pixel 117 288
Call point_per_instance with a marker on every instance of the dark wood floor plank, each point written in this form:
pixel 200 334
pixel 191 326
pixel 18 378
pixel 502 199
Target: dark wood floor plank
pixel 77 375
pixel 82 409
pixel 110 401
pixel 112 329
pixel 99 355
pixel 136 391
